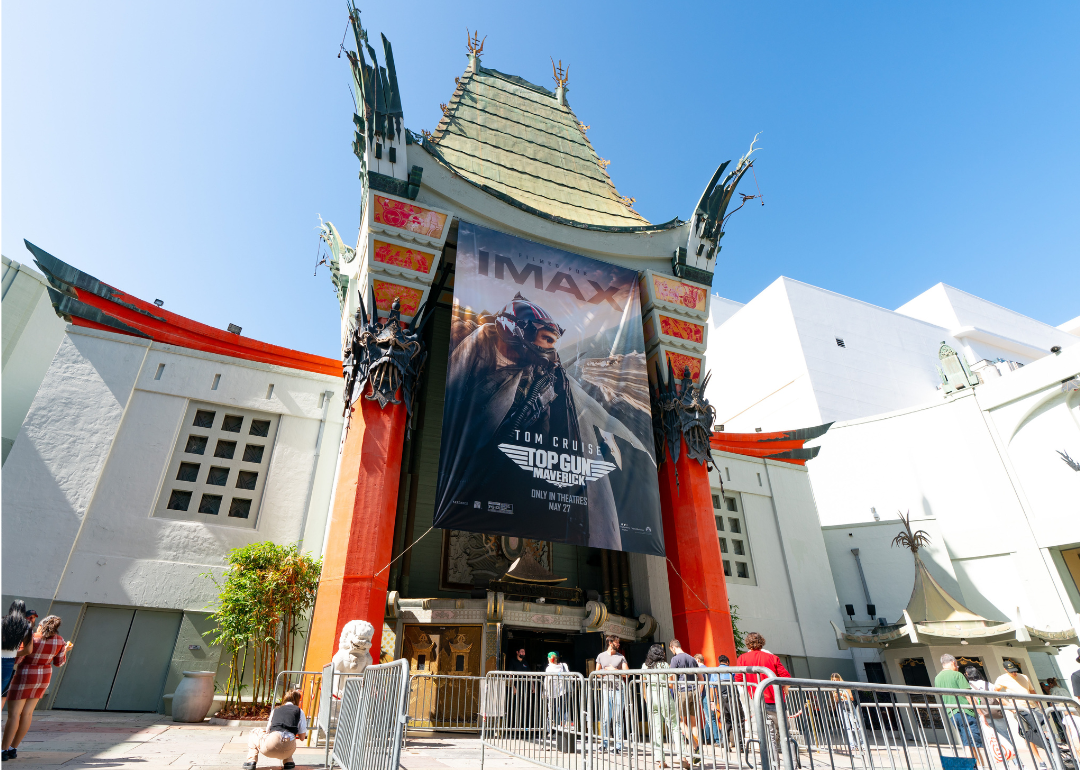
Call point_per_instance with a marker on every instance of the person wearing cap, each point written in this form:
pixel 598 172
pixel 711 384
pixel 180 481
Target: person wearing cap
pixel 959 708
pixel 1022 718
pixel 556 690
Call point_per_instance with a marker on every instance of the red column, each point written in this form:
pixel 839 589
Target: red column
pixel 361 530
pixel 699 600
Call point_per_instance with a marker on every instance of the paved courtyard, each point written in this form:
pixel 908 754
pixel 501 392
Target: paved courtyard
pixel 104 741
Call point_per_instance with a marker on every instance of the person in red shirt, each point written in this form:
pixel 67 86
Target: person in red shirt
pixel 756 656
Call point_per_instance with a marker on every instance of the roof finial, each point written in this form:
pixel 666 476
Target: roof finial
pixel 560 76
pixel 913 541
pixel 476 48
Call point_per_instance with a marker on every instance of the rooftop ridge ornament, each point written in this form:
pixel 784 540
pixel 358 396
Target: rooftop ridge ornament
pixel 558 74
pixel 561 77
pixel 476 48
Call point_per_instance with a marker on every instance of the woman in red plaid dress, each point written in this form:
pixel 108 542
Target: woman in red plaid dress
pixel 31 680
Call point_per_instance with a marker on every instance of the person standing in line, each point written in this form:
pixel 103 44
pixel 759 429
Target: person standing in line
pixel 612 692
pixel 993 716
pixel 756 655
pixel 277 740
pixel 710 703
pixel 30 682
pixel 958 707
pixel 848 706
pixel 1053 687
pixel 556 690
pixel 688 693
pixel 16 632
pixel 659 707
pixel 730 711
pixel 521 702
pixel 1018 709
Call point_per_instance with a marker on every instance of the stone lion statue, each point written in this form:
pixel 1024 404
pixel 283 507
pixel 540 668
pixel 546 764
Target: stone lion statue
pixel 354 646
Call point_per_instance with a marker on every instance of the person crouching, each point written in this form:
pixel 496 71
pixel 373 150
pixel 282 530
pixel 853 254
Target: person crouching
pixel 277 740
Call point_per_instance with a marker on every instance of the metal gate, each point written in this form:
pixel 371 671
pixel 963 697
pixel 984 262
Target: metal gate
pixel 371 722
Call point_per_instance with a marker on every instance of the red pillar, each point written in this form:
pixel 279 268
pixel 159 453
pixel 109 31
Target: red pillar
pixel 699 600
pixel 361 530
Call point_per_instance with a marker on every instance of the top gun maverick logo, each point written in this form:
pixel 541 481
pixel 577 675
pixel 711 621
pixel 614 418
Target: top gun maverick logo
pixel 562 470
pixel 546 387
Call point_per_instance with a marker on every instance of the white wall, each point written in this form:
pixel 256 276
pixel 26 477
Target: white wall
pixel 759 373
pixel 93 452
pixel 794 591
pixel 954 309
pixel 779 365
pixel 980 472
pixel 31 335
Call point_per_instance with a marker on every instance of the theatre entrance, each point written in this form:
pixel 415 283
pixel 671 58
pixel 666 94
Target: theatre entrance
pixel 577 651
pixel 445 664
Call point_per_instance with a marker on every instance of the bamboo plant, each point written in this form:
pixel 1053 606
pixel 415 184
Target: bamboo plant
pixel 263 596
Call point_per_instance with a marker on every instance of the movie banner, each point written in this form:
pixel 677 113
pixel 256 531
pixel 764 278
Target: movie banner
pixel 547 429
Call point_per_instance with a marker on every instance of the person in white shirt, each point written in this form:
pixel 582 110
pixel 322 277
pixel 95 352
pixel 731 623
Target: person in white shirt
pixel 556 691
pixel 1025 718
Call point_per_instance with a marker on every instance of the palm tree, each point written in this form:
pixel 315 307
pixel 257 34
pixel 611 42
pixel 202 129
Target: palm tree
pixel 913 541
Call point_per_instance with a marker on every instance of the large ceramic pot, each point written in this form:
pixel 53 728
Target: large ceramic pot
pixel 193 697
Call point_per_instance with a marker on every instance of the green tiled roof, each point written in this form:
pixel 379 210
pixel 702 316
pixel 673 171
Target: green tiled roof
pixel 513 137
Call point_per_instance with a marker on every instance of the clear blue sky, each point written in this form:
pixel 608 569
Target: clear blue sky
pixel 182 151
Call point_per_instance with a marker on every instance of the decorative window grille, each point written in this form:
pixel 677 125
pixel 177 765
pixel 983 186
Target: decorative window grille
pixel 734 541
pixel 218 469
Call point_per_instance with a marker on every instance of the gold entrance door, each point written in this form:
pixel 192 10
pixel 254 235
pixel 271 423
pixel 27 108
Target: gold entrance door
pixel 445 663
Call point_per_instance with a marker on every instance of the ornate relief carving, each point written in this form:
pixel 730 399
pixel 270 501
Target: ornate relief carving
pixel 472 559
pixel 382 358
pixel 681 411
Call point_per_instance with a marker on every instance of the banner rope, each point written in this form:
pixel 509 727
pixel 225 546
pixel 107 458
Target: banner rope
pixel 688 588
pixel 414 542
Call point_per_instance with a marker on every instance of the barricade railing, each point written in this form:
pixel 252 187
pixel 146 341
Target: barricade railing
pixel 331 685
pixel 664 717
pixel 444 703
pixel 371 722
pixel 537 717
pixel 817 724
pixel 310 684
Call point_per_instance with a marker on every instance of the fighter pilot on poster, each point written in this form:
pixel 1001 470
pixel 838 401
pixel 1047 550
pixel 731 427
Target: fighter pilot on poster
pixel 547 432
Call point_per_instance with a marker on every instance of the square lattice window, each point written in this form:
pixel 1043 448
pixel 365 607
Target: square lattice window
pixel 734 538
pixel 228 491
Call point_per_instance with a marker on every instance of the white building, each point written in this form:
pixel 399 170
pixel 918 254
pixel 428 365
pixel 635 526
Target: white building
pixel 988 470
pixel 138 466
pixel 32 333
pixel 776 563
pixel 817 356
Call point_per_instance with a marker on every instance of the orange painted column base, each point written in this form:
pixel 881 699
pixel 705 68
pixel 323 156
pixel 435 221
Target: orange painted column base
pixel 699 600
pixel 361 537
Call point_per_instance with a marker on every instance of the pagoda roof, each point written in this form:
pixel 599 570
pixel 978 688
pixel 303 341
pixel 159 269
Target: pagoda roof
pixel 513 139
pixel 85 301
pixel 930 603
pixel 784 446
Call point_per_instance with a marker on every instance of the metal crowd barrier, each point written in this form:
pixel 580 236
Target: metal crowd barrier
pixel 650 718
pixel 371 722
pixel 893 727
pixel 536 717
pixel 623 720
pixel 444 703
